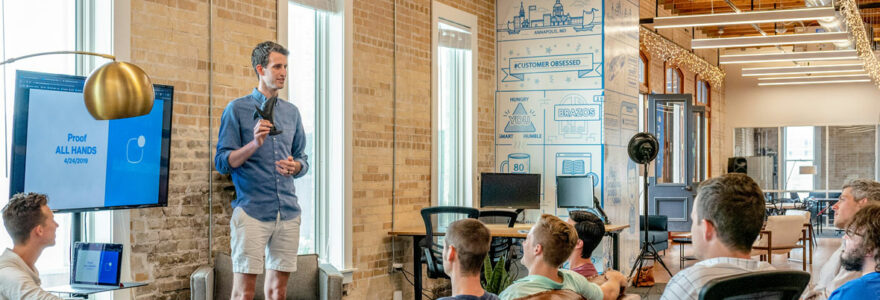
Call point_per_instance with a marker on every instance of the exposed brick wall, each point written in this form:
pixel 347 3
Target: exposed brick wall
pixel 719 151
pixel 850 155
pixel 374 134
pixel 169 39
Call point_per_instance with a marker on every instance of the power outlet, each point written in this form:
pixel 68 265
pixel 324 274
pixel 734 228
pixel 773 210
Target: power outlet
pixel 396 267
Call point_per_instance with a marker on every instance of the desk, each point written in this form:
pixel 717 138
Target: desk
pixel 496 230
pixel 84 294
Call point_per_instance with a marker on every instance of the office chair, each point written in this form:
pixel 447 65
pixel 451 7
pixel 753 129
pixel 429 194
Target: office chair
pixel 781 285
pixel 433 253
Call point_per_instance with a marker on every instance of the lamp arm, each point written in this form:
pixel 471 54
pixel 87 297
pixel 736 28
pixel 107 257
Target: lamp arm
pixel 107 56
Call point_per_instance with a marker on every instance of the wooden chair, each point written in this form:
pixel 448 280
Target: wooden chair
pixel 781 234
pixel 810 238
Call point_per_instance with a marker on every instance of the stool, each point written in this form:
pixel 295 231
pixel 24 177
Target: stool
pixel 681 256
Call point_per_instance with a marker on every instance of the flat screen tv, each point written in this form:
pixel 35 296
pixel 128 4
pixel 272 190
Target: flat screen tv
pixel 83 164
pixel 503 190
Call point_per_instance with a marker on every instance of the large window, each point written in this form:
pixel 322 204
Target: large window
pixel 315 70
pixel 643 73
pixel 703 94
pixel 674 81
pixel 799 152
pixel 454 41
pixel 64 25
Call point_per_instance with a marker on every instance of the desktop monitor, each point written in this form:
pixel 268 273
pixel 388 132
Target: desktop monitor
pixel 503 190
pixel 574 191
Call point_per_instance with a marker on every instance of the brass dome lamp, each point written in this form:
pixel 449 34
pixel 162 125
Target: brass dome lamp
pixel 115 90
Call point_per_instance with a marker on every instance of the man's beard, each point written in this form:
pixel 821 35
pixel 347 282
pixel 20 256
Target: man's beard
pixel 854 260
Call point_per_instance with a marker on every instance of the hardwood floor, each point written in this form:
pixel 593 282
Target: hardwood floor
pixel 823 249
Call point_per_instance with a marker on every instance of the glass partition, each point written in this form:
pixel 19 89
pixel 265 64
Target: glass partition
pixel 812 161
pixel 760 148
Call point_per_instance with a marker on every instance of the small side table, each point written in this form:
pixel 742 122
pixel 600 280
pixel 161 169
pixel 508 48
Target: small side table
pixel 681 257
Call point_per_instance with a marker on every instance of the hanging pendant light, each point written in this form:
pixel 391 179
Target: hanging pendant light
pixel 118 90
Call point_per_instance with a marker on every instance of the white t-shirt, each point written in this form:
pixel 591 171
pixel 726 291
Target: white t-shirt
pixel 18 281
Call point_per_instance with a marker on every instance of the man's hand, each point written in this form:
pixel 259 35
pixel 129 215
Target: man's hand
pixel 618 277
pixel 261 131
pixel 288 167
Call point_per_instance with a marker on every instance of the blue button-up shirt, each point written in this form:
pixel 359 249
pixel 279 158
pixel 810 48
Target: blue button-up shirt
pixel 260 190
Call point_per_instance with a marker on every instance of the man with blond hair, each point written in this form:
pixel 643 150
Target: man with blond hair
pixel 856 194
pixel 548 244
pixel 466 245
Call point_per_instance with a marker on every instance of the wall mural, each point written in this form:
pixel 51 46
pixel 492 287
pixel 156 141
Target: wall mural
pixel 561 110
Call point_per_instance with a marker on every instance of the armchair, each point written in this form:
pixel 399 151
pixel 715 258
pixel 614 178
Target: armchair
pixel 658 232
pixel 310 281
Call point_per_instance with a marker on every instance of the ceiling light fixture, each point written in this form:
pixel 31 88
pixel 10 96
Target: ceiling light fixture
pixel 770 40
pixel 835 76
pixel 802 70
pixel 814 82
pixel 769 16
pixel 790 56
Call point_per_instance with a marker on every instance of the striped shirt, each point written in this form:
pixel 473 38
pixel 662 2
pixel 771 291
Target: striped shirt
pixel 688 282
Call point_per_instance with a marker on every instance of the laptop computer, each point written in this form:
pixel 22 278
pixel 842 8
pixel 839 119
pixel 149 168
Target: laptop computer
pixel 95 267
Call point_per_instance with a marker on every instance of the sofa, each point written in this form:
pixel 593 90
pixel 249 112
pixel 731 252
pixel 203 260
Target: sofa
pixel 311 280
pixel 658 233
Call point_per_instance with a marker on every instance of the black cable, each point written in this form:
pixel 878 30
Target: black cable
pixel 413 284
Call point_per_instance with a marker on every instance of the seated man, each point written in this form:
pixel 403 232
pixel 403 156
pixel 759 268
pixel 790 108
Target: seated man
pixel 856 194
pixel 466 245
pixel 546 247
pixel 862 254
pixel 31 225
pixel 590 231
pixel 727 217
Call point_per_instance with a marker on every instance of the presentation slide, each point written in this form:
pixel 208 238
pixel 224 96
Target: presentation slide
pixel 96 266
pixel 81 162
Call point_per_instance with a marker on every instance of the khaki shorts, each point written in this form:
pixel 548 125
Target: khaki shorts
pixel 251 238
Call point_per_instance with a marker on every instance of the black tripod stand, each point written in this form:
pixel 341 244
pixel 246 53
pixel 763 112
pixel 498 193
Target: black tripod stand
pixel 642 149
pixel 648 250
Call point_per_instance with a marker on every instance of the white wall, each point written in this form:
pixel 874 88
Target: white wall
pixel 749 105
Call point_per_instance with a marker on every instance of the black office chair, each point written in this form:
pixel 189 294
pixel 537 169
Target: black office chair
pixel 501 246
pixel 781 285
pixel 433 253
pixel 795 198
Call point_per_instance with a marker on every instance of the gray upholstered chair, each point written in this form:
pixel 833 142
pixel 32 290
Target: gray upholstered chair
pixel 310 281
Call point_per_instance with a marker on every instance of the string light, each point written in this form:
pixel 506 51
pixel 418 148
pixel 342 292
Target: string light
pixel 850 11
pixel 658 46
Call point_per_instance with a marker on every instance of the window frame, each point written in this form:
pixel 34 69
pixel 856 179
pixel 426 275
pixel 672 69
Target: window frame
pixel 666 82
pixel 707 88
pixel 465 19
pixel 644 87
pixel 336 216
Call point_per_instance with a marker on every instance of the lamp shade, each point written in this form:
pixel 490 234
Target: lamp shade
pixel 807 170
pixel 118 90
